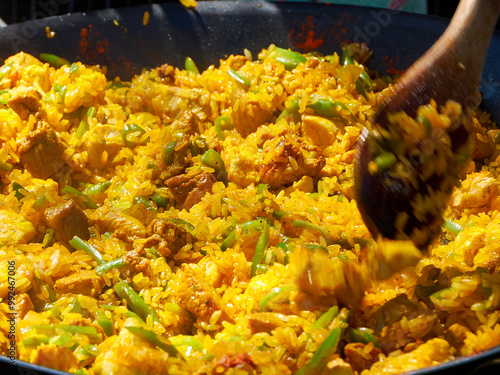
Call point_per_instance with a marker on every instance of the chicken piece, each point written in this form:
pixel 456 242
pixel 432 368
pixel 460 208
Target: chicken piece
pixel 337 366
pixel 23 305
pixel 41 151
pixel 25 272
pixel 100 139
pixel 56 357
pixel 471 240
pixel 240 159
pixel 234 62
pixel 130 354
pixel 286 159
pixel 198 297
pixel 321 131
pixel 86 282
pixel 361 356
pixel 482 143
pixel 15 229
pixel 432 352
pixel 175 236
pixel 188 190
pixel 123 226
pixel 68 220
pixel 476 193
pixel 25 101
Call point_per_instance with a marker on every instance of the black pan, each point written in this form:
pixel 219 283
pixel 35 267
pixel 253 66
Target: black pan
pixel 118 39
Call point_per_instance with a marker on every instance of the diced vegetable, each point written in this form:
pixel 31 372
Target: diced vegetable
pixel 131 135
pixel 290 59
pixel 107 266
pixel 97 188
pixel 190 66
pixel 212 159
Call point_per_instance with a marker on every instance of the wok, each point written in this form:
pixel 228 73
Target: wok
pixel 118 39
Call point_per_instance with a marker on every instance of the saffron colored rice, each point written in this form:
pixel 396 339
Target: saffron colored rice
pixel 202 188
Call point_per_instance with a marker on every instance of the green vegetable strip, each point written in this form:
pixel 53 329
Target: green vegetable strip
pixel 104 323
pixel 325 107
pixel 152 338
pixel 168 154
pixel 35 341
pixel 54 60
pixel 320 357
pixel 427 124
pixel 364 82
pixel 4 70
pixel 39 202
pixel 159 199
pixel 452 227
pixel 188 341
pixel 17 187
pixel 84 124
pixel 7 167
pixel 190 66
pixel 79 244
pixel 71 190
pixel 97 188
pixel 290 59
pixel 326 318
pixel 363 335
pixel 130 132
pixel 86 330
pixel 276 295
pixel 292 108
pixel 107 266
pixel 384 161
pixel 262 245
pixel 223 123
pixel 238 77
pixel 307 225
pixel 135 301
pixel 178 222
pixel 230 240
pixel 212 159
pixel 48 237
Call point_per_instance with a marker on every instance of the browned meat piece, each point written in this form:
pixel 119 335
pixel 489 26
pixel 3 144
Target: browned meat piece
pixel 26 102
pixel 41 152
pixel 166 72
pixel 189 189
pixel 56 357
pixel 68 220
pixel 23 305
pixel 389 326
pixel 175 235
pixel 135 259
pixel 287 158
pixel 483 144
pixel 199 297
pixel 359 357
pixel 81 282
pixel 124 226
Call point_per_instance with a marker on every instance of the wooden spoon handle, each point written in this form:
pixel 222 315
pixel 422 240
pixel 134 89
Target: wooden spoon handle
pixel 452 67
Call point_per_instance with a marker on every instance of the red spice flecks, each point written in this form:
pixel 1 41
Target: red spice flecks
pixel 391 69
pixel 306 39
pixel 84 44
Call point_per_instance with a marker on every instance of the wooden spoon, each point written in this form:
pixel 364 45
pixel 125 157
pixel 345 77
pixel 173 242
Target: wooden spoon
pixel 450 69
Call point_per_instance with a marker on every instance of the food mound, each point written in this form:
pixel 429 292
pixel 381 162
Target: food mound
pixel 175 224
